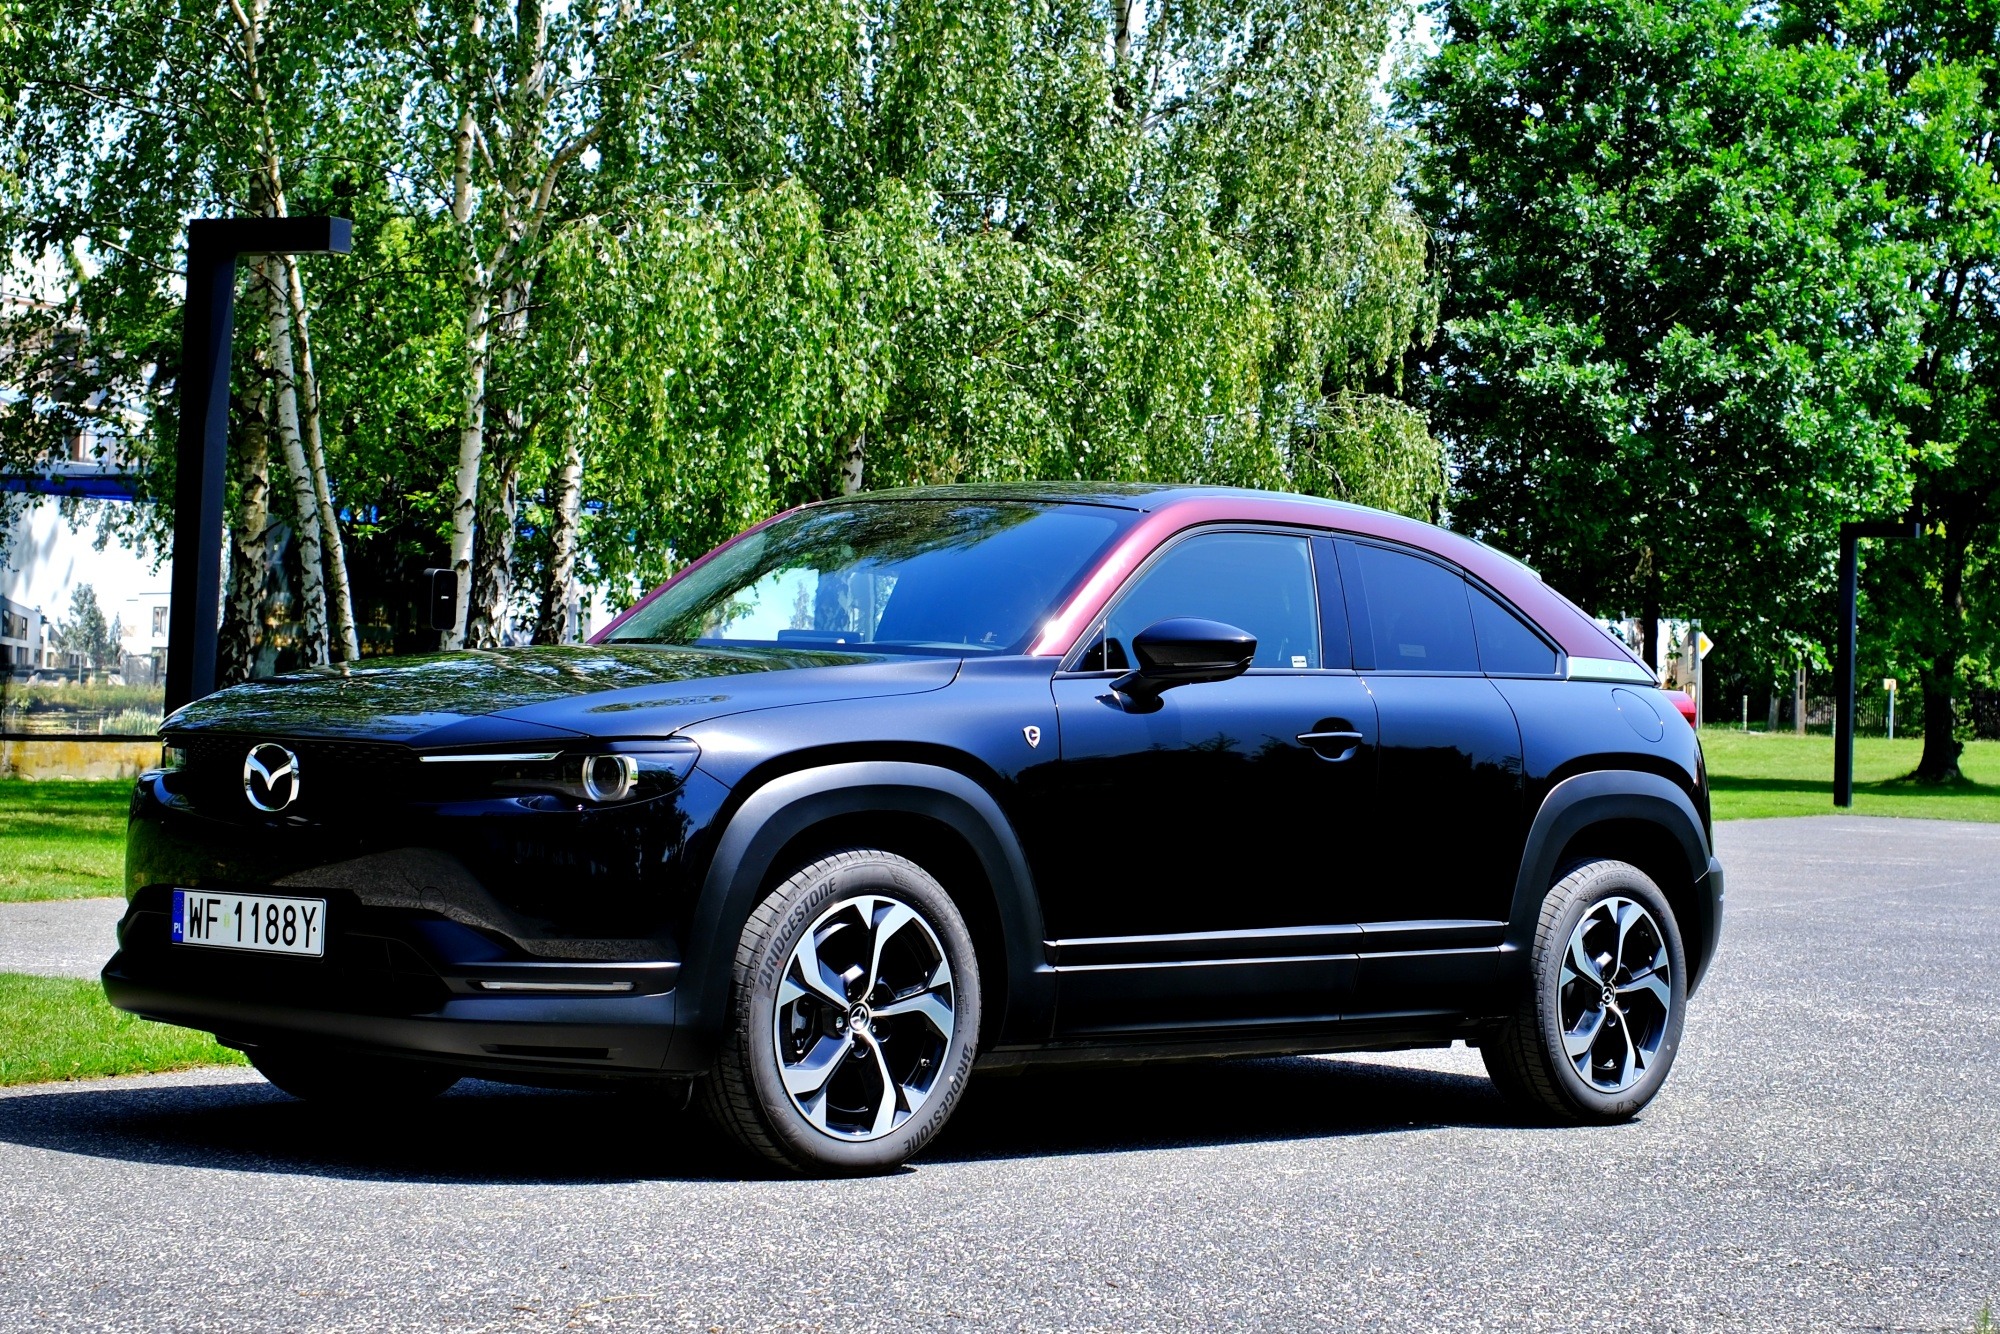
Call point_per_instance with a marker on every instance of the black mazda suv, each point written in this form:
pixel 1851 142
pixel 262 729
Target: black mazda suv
pixel 895 788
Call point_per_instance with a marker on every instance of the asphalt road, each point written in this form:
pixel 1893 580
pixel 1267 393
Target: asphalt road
pixel 60 937
pixel 1826 1155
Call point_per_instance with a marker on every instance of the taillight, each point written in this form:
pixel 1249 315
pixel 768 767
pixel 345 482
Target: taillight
pixel 1684 702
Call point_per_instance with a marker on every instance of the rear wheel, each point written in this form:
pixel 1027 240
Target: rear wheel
pixel 853 1018
pixel 1594 1034
pixel 347 1079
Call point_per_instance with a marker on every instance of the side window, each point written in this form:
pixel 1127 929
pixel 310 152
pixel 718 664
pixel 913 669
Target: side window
pixel 1506 646
pixel 1260 582
pixel 1418 616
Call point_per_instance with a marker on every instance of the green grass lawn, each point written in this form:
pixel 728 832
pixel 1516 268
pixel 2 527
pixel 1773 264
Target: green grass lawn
pixel 62 839
pixel 63 1028
pixel 1754 774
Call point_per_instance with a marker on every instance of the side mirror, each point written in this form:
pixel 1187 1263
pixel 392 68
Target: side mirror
pixel 1183 651
pixel 441 598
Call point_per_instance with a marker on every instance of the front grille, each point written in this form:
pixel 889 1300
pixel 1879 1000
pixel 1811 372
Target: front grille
pixel 332 774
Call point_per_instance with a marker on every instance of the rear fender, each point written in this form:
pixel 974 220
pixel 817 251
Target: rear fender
pixel 1586 799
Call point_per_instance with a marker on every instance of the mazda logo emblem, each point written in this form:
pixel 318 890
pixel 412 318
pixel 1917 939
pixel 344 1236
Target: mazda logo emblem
pixel 270 777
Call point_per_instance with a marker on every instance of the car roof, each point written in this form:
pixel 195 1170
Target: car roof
pixel 1143 497
pixel 1170 507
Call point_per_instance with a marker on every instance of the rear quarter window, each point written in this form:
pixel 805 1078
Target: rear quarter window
pixel 1507 647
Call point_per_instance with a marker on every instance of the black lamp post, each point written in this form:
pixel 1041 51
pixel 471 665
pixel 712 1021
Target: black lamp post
pixel 1843 723
pixel 201 457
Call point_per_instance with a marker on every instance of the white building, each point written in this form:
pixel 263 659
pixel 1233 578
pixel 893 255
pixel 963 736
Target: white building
pixel 48 557
pixel 24 638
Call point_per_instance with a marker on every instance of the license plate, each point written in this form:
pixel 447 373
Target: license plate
pixel 250 922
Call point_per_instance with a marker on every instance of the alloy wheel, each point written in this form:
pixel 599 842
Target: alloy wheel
pixel 1616 994
pixel 864 1017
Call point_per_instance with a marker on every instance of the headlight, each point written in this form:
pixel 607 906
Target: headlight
pixel 603 775
pixel 609 777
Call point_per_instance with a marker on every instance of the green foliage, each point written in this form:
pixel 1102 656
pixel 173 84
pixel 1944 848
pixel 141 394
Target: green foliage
pixel 1678 343
pixel 983 242
pixel 86 632
pixel 1928 95
pixel 1007 238
pixel 77 696
pixel 63 1028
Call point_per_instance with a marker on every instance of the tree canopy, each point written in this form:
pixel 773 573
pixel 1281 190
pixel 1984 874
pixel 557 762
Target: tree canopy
pixel 628 278
pixel 1718 277
pixel 1674 347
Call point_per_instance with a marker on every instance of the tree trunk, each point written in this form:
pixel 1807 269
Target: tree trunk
pixel 1771 721
pixel 489 618
pixel 242 631
pixel 850 467
pixel 487 623
pixel 339 596
pixel 1941 744
pixel 471 446
pixel 312 582
pixel 554 623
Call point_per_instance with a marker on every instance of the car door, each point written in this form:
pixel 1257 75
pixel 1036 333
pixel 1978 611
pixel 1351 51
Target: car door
pixel 1447 833
pixel 1204 865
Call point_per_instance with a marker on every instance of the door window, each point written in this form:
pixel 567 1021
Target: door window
pixel 1259 582
pixel 1418 617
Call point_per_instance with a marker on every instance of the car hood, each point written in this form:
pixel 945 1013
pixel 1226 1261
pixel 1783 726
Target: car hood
pixel 473 697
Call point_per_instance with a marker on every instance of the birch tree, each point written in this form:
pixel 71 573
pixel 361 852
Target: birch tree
pixel 526 94
pixel 137 117
pixel 879 245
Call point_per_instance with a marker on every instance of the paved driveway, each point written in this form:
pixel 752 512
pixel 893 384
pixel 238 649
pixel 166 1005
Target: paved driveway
pixel 59 938
pixel 1827 1154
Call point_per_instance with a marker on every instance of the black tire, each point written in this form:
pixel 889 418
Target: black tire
pixel 1627 1052
pixel 763 1038
pixel 349 1079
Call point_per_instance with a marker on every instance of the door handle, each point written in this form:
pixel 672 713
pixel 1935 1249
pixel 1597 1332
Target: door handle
pixel 1332 746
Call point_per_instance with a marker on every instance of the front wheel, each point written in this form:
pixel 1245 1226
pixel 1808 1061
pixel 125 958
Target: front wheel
pixel 853 1018
pixel 1595 1032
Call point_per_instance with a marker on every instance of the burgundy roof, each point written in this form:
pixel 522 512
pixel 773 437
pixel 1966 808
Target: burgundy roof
pixel 1167 509
pixel 1171 509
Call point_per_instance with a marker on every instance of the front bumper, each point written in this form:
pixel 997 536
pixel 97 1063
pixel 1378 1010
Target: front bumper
pixel 429 905
pixel 407 984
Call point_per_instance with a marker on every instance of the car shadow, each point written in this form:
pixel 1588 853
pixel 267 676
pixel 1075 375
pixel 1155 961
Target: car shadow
pixel 1055 1111
pixel 495 1134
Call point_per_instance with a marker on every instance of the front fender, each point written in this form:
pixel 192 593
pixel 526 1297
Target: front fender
pixel 787 806
pixel 1618 794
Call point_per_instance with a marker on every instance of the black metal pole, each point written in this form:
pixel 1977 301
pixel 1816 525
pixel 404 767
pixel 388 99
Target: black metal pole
pixel 202 448
pixel 1844 663
pixel 1843 672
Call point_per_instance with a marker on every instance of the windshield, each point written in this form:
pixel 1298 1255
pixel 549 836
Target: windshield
pixel 907 576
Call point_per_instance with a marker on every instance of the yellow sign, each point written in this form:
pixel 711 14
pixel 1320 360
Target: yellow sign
pixel 1702 644
pixel 1889 684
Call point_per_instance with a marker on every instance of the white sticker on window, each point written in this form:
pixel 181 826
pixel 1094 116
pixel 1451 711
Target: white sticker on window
pixel 1298 660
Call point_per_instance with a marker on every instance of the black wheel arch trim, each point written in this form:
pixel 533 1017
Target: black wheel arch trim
pixel 1586 799
pixel 790 804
